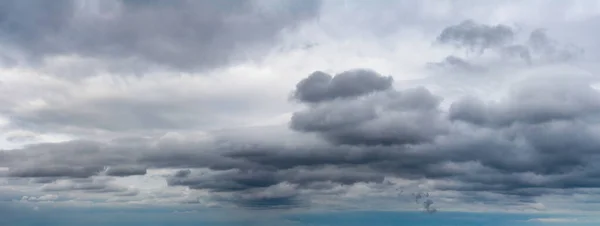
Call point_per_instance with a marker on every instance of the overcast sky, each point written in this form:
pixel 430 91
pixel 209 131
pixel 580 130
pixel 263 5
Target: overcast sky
pixel 266 106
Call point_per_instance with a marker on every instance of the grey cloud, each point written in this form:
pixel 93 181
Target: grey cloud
pixel 341 176
pixel 541 138
pixel 283 202
pixel 69 159
pixel 537 143
pixel 43 198
pixel 189 158
pixel 123 171
pixel 390 117
pixel 228 181
pixel 126 113
pixel 180 34
pixel 54 171
pixel 244 165
pixel 492 199
pixel 265 166
pixel 46 163
pixel 320 86
pixel 88 186
pixel 21 136
pixel 182 173
pixel 538 40
pixel 476 37
pixel 469 109
pixel 276 197
pixel 518 51
pixel 532 102
pixel 244 180
pixel 418 197
pixel 247 189
pixel 191 201
pixel 43 180
pixel 525 187
pixel 127 193
pixel 288 157
pixel 456 63
pixel 550 49
pixel 428 206
pixel 543 159
pixel 532 148
pixel 503 42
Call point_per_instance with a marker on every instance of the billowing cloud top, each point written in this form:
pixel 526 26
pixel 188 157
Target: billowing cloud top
pixel 320 86
pixel 254 105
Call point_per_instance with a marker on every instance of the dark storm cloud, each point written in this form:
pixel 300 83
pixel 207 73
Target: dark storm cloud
pixel 179 34
pixel 526 185
pixel 123 171
pixel 243 180
pixel 541 138
pixel 320 86
pixel 285 157
pixel 531 160
pixel 227 181
pixel 270 198
pixel 476 37
pixel 543 130
pixel 283 202
pixel 182 173
pixel 54 171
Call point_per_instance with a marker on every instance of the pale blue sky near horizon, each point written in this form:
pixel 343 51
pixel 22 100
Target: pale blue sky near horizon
pixel 189 217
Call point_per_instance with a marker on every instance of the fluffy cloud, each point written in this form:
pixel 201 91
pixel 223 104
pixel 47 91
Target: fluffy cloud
pixel 498 45
pixel 513 147
pixel 320 86
pixel 476 37
pixel 534 102
pixel 135 35
pixel 392 117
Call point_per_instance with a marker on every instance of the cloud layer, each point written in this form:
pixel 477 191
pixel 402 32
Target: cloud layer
pixel 540 140
pixel 133 35
pixel 235 110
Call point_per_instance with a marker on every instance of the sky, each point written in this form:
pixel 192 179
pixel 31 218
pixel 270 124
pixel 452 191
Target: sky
pixel 299 112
